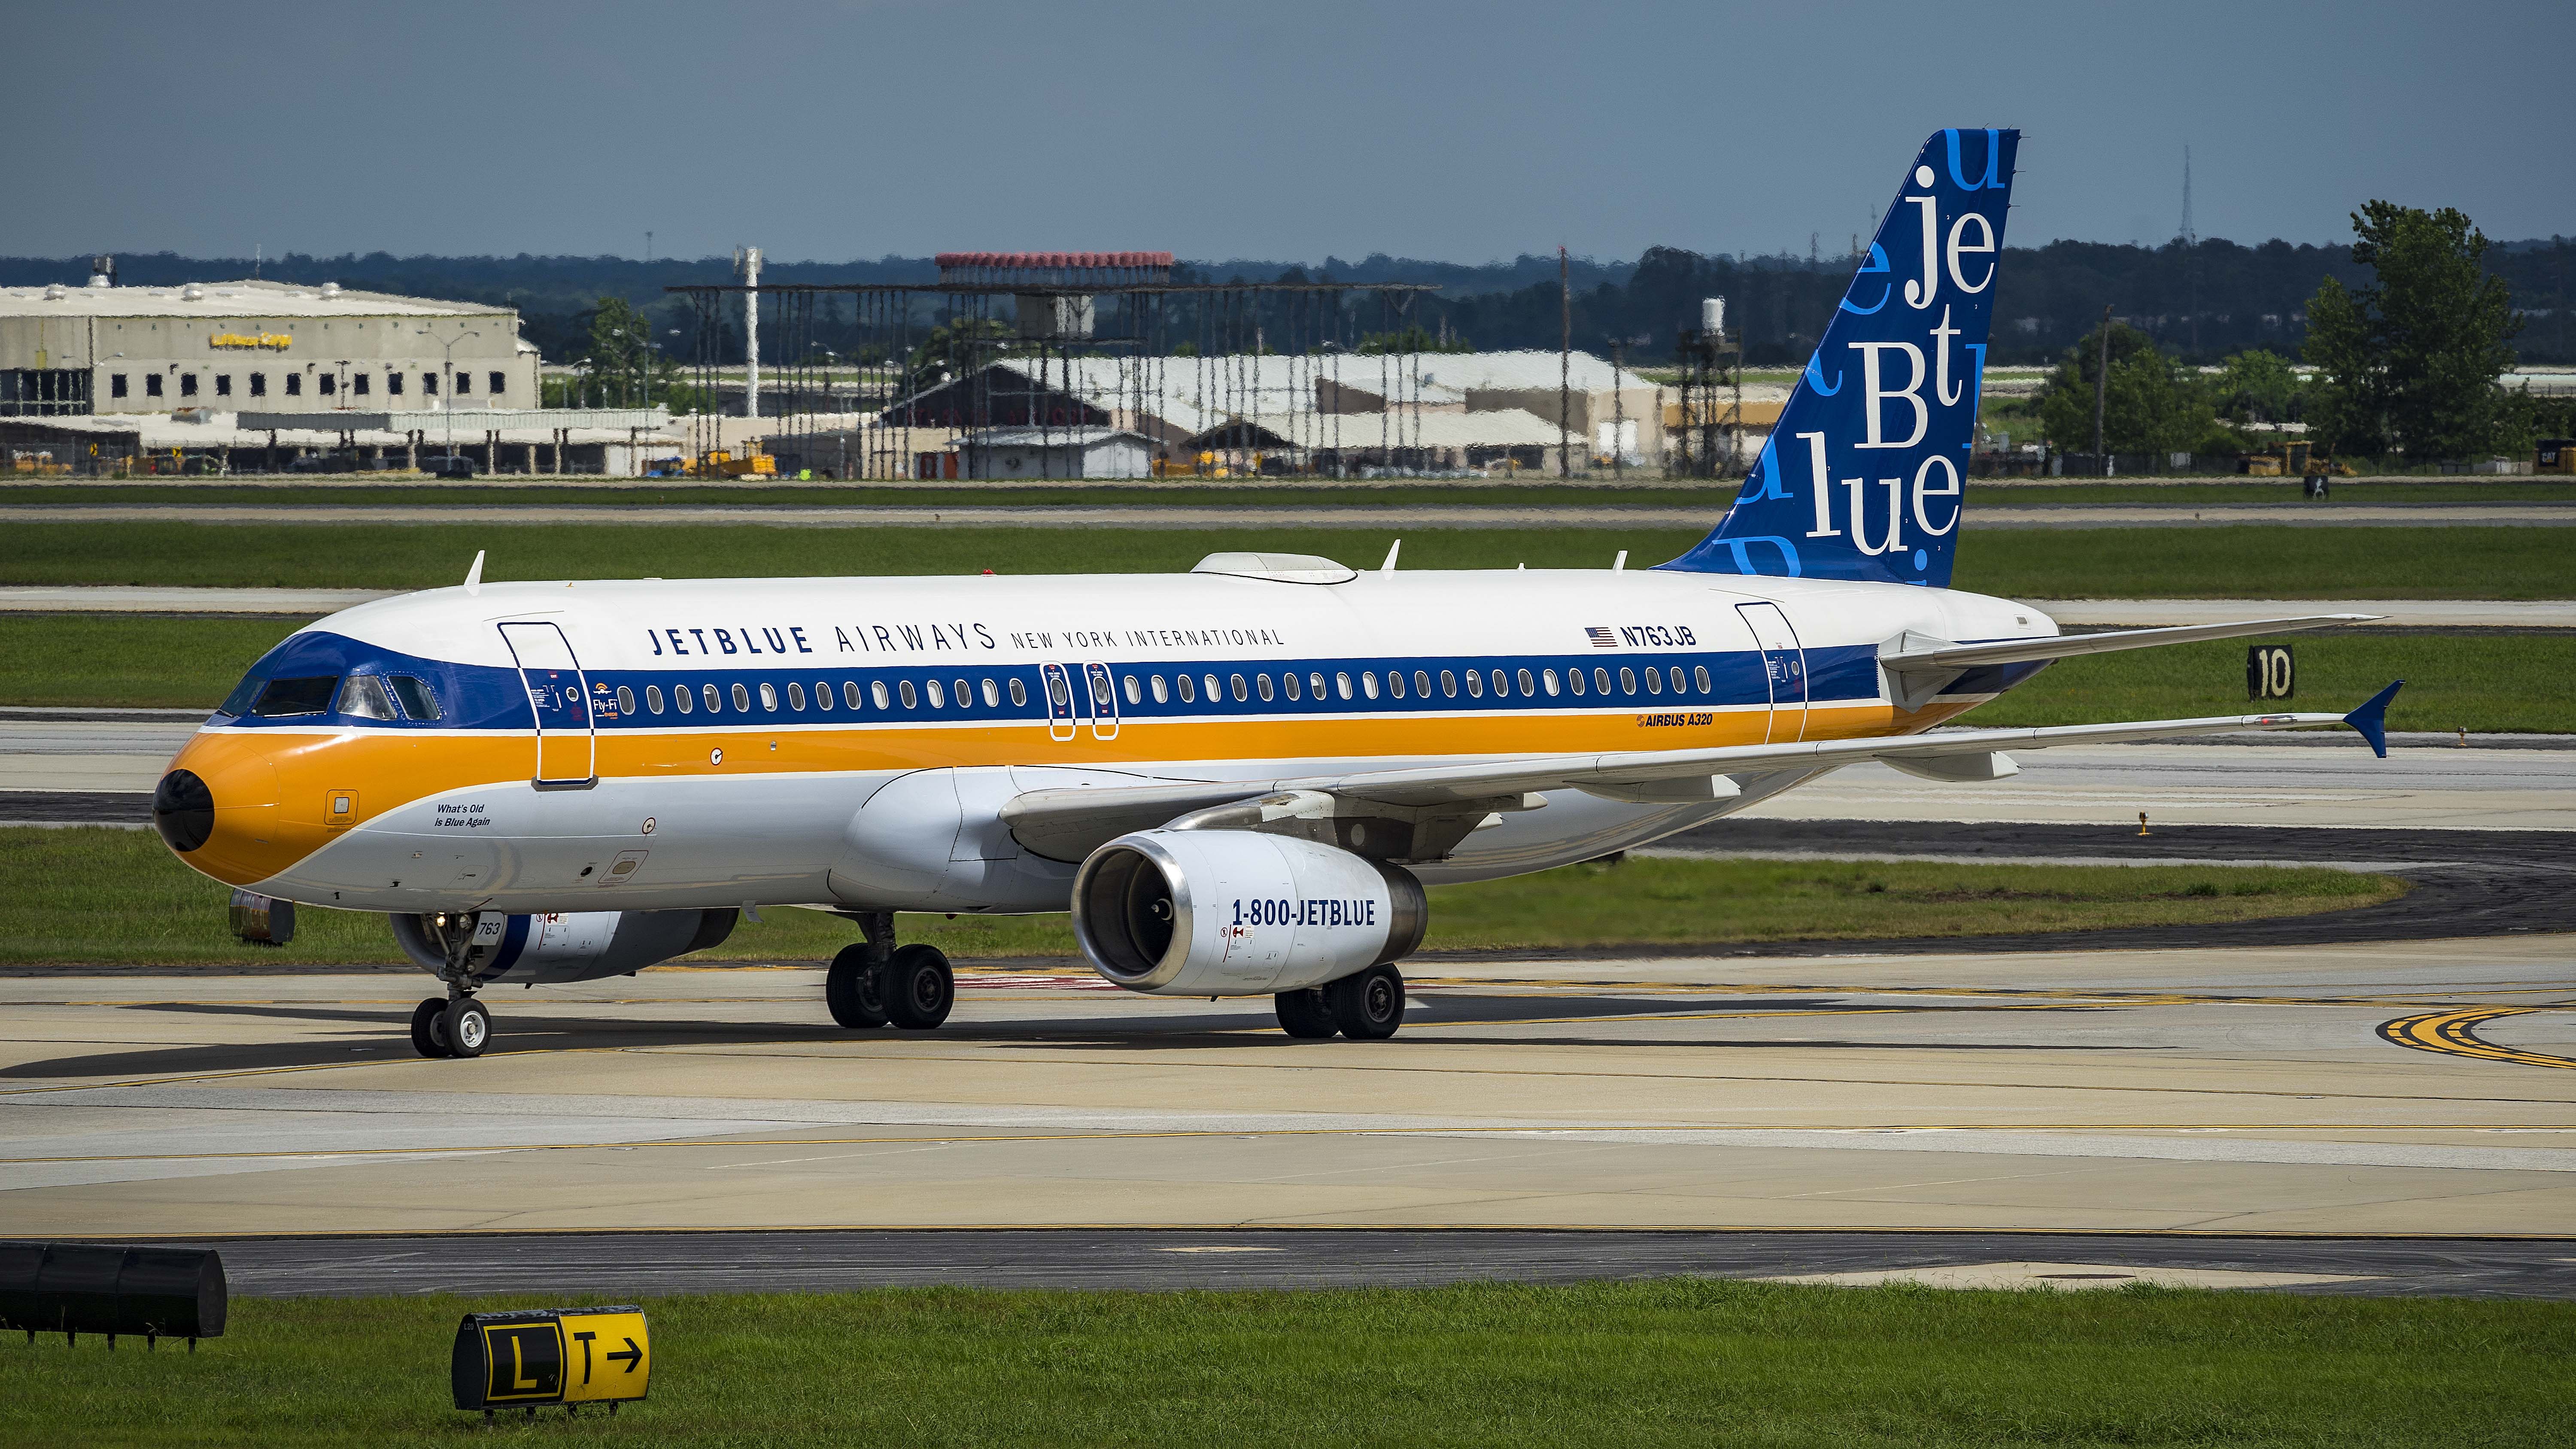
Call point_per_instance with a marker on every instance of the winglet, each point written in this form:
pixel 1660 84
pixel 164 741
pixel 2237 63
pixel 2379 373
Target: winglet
pixel 474 575
pixel 2372 719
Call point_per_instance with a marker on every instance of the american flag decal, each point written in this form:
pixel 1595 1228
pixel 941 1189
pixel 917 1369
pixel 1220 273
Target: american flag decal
pixel 1602 638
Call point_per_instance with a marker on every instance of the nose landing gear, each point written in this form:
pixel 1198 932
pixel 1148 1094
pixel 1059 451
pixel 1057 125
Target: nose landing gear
pixel 443 1028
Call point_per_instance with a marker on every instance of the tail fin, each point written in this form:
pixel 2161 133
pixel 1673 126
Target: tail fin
pixel 1862 476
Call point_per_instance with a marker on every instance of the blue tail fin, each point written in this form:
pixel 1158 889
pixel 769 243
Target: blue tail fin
pixel 1862 476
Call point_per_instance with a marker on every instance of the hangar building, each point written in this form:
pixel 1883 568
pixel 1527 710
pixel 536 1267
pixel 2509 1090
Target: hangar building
pixel 272 347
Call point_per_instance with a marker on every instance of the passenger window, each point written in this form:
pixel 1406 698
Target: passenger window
pixel 1422 683
pixel 1263 681
pixel 1574 680
pixel 1239 692
pixel 1677 679
pixel 284 697
pixel 625 700
pixel 1601 678
pixel 1502 686
pixel 1315 682
pixel 419 702
pixel 1547 677
pixel 1019 694
pixel 992 695
pixel 1448 684
pixel 1526 690
pixel 1213 692
pixel 1290 682
pixel 1342 683
pixel 715 701
pixel 822 694
pixel 1162 691
pixel 965 696
pixel 742 699
pixel 1475 685
pixel 684 697
pixel 910 701
pixel 1699 676
pixel 768 697
pixel 652 698
pixel 850 694
pixel 1627 680
pixel 1368 683
pixel 1135 691
pixel 877 692
pixel 795 696
pixel 1395 684
pixel 364 697
pixel 1189 691
pixel 938 696
pixel 1654 680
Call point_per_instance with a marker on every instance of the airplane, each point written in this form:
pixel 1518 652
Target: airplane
pixel 1238 780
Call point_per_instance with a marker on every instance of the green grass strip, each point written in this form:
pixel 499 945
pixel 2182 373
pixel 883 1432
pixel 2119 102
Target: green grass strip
pixel 2241 561
pixel 95 895
pixel 1684 1362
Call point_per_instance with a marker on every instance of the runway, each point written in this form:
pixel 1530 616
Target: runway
pixel 2192 1090
pixel 1255 515
pixel 646 1264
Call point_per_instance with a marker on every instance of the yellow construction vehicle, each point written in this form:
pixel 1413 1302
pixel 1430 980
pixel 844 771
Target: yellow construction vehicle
pixel 2291 460
pixel 721 463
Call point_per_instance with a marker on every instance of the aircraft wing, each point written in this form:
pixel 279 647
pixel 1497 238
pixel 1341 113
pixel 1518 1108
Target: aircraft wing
pixel 1069 823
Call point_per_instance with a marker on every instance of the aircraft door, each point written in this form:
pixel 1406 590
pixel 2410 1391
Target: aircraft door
pixel 1784 664
pixel 559 695
pixel 1104 701
pixel 1059 702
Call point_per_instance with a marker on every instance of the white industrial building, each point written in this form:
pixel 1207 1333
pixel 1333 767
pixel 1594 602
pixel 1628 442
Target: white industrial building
pixel 253 346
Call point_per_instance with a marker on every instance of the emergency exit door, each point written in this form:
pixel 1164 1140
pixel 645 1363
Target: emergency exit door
pixel 1784 665
pixel 560 697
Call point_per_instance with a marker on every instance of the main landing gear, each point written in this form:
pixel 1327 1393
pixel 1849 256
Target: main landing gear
pixel 876 983
pixel 1365 1007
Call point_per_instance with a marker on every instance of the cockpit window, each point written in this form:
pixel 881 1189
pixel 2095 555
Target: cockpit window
pixel 296 696
pixel 419 701
pixel 364 696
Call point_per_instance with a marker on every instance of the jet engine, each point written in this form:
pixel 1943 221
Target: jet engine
pixel 571 946
pixel 1239 913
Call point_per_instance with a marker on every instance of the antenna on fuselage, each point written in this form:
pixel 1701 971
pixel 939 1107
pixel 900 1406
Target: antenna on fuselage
pixel 474 575
pixel 1388 567
pixel 1620 564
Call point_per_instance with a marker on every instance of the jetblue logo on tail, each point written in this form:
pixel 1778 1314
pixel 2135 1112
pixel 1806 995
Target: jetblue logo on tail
pixel 1862 477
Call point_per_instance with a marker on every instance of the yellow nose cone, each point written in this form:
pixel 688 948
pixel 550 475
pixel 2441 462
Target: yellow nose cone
pixel 219 810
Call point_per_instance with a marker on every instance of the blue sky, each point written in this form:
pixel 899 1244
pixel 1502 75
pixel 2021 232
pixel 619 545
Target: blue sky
pixel 1465 132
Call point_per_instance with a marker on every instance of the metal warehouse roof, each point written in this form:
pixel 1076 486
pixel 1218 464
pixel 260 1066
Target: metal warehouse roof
pixel 225 300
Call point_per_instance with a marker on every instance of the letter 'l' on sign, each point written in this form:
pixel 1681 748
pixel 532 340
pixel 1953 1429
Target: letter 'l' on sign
pixel 548 1356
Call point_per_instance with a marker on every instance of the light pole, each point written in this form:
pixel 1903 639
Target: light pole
pixel 447 380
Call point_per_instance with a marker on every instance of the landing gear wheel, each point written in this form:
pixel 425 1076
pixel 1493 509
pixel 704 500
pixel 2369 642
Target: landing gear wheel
pixel 919 988
pixel 1369 1006
pixel 424 1028
pixel 1305 1014
pixel 465 1027
pixel 855 989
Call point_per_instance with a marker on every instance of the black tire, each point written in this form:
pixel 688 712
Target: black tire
pixel 465 1027
pixel 919 988
pixel 854 990
pixel 424 1028
pixel 1369 1006
pixel 1306 1015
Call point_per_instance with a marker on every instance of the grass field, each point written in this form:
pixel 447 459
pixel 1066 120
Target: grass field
pixel 1685 1362
pixel 2243 561
pixel 365 490
pixel 97 894
pixel 2483 682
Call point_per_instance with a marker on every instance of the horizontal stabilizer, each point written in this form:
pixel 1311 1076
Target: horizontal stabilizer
pixel 1935 655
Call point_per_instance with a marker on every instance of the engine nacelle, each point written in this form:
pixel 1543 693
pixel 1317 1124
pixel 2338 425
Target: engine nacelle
pixel 1239 913
pixel 569 946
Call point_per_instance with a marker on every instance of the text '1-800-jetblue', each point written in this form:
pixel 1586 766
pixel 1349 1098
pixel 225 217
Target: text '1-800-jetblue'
pixel 1238 779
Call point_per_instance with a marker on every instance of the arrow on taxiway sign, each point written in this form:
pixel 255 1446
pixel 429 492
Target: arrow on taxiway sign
pixel 634 1356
